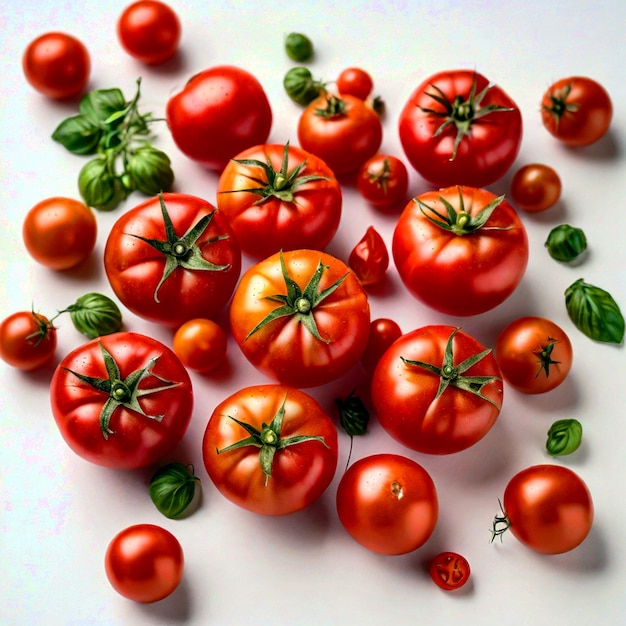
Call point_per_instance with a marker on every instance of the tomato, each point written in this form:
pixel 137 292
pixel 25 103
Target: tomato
pixel 449 570
pixel 220 112
pixel 59 233
pixel 200 344
pixel 301 317
pixel 458 128
pixel 460 250
pixel 383 332
pixel 535 187
pixel 548 508
pixel 270 449
pixel 57 65
pixel 576 110
pixel 437 390
pixel 369 259
pixel 149 30
pixel 123 400
pixel 534 354
pixel 144 563
pixel 355 82
pixel 344 132
pixel 383 180
pixel 279 198
pixel 388 503
pixel 28 340
pixel 172 258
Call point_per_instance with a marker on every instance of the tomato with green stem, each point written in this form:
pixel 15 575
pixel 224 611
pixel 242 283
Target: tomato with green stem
pixel 383 181
pixel 28 340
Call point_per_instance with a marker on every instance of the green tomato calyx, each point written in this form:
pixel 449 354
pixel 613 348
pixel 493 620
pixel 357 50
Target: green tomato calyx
pixel 544 356
pixel 500 525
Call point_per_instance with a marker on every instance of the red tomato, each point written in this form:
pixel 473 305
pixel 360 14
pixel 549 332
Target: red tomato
pixel 144 563
pixel 57 65
pixel 344 132
pixel 369 259
pixel 548 508
pixel 200 344
pixel 301 317
pixel 383 332
pixel 270 449
pixel 383 180
pixel 220 112
pixel 534 354
pixel 279 198
pixel 535 187
pixel 458 128
pixel 28 340
pixel 149 31
pixel 576 110
pixel 449 570
pixel 59 233
pixel 355 82
pixel 437 390
pixel 460 250
pixel 388 503
pixel 123 400
pixel 172 258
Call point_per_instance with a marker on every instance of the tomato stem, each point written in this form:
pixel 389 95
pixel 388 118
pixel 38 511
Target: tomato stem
pixel 500 525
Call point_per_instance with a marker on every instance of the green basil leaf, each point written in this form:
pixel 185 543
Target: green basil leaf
pixel 353 415
pixel 298 47
pixel 564 437
pixel 98 188
pixel 150 170
pixel 173 488
pixel 594 312
pixel 300 85
pixel 99 105
pixel 566 243
pixel 78 134
pixel 95 314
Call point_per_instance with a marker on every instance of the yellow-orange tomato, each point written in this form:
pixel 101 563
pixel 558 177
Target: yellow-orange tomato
pixel 200 344
pixel 535 187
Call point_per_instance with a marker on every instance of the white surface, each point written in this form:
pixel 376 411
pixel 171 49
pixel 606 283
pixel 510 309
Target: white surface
pixel 58 512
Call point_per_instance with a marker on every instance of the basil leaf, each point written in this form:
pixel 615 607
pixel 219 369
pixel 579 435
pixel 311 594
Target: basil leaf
pixel 173 488
pixel 353 414
pixel 594 312
pixel 95 314
pixel 78 135
pixel 564 437
pixel 565 243
pixel 99 105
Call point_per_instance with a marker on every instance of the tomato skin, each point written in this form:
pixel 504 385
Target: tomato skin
pixel 483 156
pixel 144 563
pixel 383 332
pixel 388 503
pixel 309 220
pixel 519 349
pixel 301 472
pixel 355 81
pixel 576 110
pixel 134 268
pixel 220 112
pixel 57 65
pixel 149 30
pixel 383 181
pixel 460 274
pixel 20 346
pixel 404 396
pixel 449 570
pixel 137 440
pixel 200 344
pixel 549 508
pixel 535 187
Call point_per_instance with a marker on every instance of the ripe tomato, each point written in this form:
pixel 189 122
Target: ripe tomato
pixel 534 354
pixel 369 259
pixel 449 570
pixel 458 128
pixel 200 344
pixel 301 317
pixel 149 30
pixel 123 400
pixel 576 110
pixel 388 503
pixel 270 449
pixel 343 131
pixel 279 198
pixel 59 233
pixel 535 187
pixel 437 390
pixel 144 563
pixel 220 112
pixel 383 332
pixel 548 508
pixel 383 180
pixel 57 65
pixel 28 340
pixel 172 258
pixel 355 82
pixel 460 250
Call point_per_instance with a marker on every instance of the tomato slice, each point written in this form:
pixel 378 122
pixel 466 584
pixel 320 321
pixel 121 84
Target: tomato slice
pixel 449 570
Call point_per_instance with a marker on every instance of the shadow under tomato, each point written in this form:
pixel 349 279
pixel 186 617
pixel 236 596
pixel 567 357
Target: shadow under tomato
pixel 177 608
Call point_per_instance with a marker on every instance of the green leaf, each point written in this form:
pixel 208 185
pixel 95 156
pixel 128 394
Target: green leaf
pixel 150 170
pixel 353 414
pixel 98 105
pixel 95 314
pixel 566 243
pixel 300 85
pixel 78 134
pixel 564 437
pixel 298 47
pixel 173 488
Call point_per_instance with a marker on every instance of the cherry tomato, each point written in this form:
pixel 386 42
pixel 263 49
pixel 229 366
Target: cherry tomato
pixel 383 332
pixel 57 65
pixel 200 344
pixel 149 30
pixel 144 563
pixel 59 233
pixel 388 503
pixel 449 570
pixel 28 340
pixel 535 187
pixel 383 181
pixel 355 82
pixel 534 354
pixel 576 110
pixel 369 259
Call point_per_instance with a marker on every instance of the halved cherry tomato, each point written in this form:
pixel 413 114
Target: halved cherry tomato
pixel 449 570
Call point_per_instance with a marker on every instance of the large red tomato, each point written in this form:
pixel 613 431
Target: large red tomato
pixel 302 317
pixel 123 400
pixel 219 113
pixel 279 198
pixel 172 258
pixel 460 250
pixel 437 390
pixel 270 449
pixel 458 128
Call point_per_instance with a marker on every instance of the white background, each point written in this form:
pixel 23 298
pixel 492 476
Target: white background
pixel 58 512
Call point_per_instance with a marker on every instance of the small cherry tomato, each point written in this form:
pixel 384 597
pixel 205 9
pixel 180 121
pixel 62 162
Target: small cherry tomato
pixel 383 180
pixel 355 82
pixel 535 187
pixel 383 332
pixel 28 340
pixel 200 344
pixel 369 259
pixel 449 570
